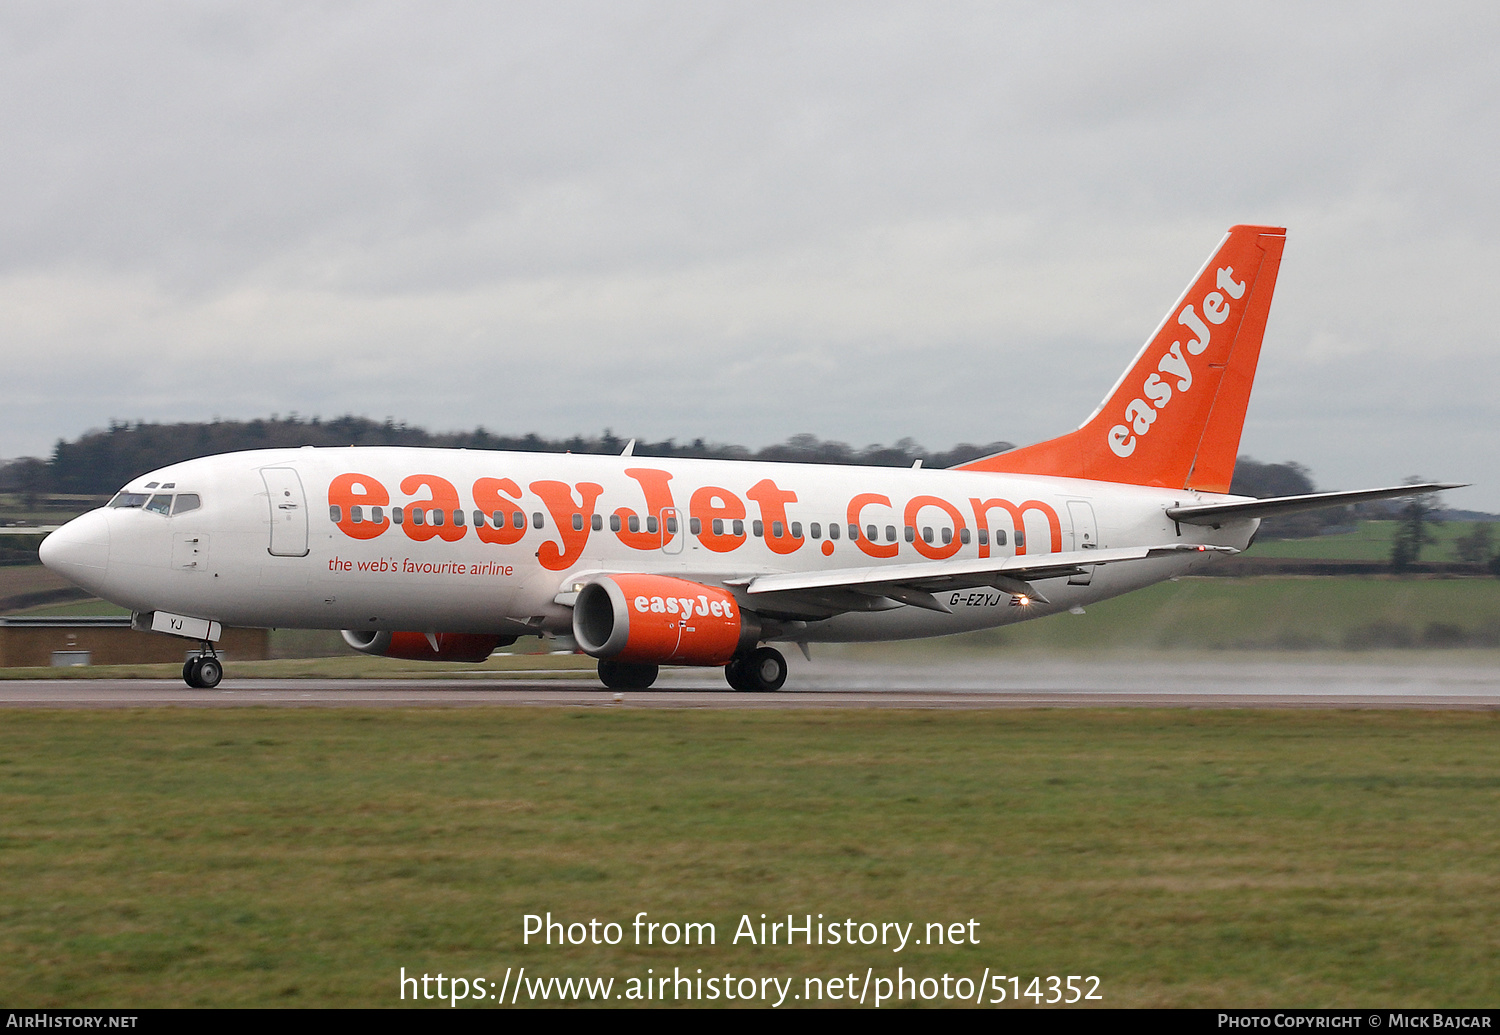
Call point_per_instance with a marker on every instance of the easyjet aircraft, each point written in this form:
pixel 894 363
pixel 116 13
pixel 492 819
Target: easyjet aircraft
pixel 446 555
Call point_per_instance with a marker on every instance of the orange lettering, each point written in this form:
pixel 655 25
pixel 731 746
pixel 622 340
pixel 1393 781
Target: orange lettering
pixel 936 551
pixel 711 504
pixel 658 498
pixel 558 497
pixel 1017 520
pixel 358 490
pixel 856 506
pixel 512 524
pixel 444 501
pixel 773 501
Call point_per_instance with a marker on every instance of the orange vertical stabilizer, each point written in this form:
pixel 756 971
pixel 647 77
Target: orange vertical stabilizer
pixel 1174 418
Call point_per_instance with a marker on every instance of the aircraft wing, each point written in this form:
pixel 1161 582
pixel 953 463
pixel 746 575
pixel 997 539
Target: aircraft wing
pixel 824 593
pixel 1217 513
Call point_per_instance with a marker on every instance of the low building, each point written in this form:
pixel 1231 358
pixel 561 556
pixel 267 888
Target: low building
pixel 27 641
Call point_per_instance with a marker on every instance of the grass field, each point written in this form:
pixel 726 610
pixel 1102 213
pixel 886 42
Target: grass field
pixel 1371 541
pixel 263 857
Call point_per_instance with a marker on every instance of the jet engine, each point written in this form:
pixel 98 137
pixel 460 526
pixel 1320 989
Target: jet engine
pixel 415 646
pixel 661 620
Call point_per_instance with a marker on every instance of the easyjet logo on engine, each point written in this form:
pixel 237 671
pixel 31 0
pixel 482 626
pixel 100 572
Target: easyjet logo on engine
pixel 684 606
pixel 1141 414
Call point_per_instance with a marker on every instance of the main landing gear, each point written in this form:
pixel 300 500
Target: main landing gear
pixel 624 675
pixel 761 671
pixel 204 671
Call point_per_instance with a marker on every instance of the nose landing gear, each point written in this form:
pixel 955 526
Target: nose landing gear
pixel 204 671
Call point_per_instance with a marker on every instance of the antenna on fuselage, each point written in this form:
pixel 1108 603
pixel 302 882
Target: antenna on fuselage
pixel 629 449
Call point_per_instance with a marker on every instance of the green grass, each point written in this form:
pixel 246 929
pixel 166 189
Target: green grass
pixel 1271 613
pixel 1371 541
pixel 265 857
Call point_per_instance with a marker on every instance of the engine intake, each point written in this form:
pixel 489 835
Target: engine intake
pixel 658 619
pixel 415 646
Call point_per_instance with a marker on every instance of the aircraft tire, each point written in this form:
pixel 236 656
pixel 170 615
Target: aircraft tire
pixel 210 671
pixel 190 672
pixel 734 675
pixel 624 675
pixel 765 670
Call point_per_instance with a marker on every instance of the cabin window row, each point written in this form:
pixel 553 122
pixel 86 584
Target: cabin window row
pixel 720 526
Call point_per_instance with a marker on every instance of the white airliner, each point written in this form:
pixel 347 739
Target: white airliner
pixel 446 555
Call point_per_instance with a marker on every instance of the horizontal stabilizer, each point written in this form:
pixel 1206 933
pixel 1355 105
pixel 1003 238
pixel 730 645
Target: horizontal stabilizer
pixel 1218 513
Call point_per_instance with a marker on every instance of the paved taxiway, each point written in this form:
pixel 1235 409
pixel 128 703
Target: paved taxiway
pixel 841 684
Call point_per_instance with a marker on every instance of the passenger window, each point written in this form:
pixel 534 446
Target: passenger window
pixel 999 537
pixel 758 527
pixel 651 524
pixel 718 526
pixel 478 519
pixel 418 516
pixel 377 515
pixel 536 519
pixel 161 503
pixel 815 529
pixel 739 526
pixel 796 530
pixel 1020 538
pixel 396 515
pixel 458 518
pixel 356 513
pixel 963 536
pixel 695 526
pixel 598 523
pixel 833 531
pixel 435 518
pixel 518 520
pixel 335 513
pixel 672 525
pixel 578 522
pixel 871 533
pixel 984 537
pixel 634 523
pixel 614 522
pixel 186 501
pixel 890 533
pixel 776 529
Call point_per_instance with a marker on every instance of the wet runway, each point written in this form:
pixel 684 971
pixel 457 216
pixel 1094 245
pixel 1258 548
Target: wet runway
pixel 838 684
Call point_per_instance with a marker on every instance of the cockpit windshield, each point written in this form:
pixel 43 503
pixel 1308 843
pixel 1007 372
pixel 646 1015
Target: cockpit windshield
pixel 157 503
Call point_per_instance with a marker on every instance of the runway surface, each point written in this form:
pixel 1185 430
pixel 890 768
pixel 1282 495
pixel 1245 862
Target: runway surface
pixel 951 685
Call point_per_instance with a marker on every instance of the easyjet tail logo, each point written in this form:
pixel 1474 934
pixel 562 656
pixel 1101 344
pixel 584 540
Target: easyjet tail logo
pixel 1176 364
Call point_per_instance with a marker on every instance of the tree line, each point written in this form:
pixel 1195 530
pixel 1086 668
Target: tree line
pixel 99 462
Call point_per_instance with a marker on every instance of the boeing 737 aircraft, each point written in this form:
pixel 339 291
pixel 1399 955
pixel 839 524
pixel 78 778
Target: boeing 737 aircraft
pixel 446 555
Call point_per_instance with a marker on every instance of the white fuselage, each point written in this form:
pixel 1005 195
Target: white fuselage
pixel 274 540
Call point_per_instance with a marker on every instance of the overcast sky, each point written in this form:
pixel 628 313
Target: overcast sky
pixel 742 221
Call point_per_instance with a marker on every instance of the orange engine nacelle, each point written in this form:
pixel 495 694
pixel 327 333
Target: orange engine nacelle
pixel 657 619
pixel 415 646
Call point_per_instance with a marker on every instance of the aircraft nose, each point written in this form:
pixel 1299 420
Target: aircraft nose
pixel 79 550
